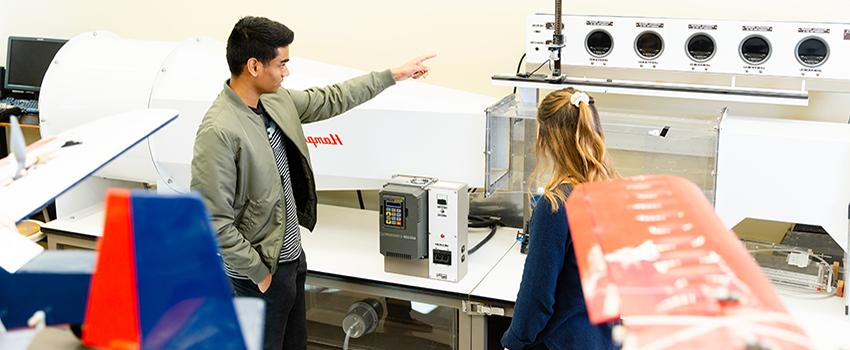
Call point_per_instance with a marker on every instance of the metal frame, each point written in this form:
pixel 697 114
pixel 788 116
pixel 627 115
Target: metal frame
pixel 730 93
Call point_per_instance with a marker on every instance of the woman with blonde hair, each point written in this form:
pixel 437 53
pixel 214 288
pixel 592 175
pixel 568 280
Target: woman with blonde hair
pixel 550 312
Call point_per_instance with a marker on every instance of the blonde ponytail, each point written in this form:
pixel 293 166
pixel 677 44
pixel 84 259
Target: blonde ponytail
pixel 570 140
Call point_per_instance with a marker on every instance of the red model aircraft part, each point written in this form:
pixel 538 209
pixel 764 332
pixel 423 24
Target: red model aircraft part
pixel 112 313
pixel 652 252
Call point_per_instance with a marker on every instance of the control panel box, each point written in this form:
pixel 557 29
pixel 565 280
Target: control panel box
pixel 760 48
pixel 403 218
pixel 448 232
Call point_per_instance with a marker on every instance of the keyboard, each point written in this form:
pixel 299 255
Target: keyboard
pixel 27 106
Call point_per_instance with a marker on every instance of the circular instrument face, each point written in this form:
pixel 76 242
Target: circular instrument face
pixel 700 47
pixel 812 52
pixel 599 43
pixel 755 49
pixel 649 45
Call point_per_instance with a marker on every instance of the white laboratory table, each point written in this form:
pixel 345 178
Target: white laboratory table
pixel 823 319
pixel 345 242
pixel 502 283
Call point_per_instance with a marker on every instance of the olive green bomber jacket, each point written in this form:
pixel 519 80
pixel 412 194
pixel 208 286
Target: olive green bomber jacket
pixel 234 171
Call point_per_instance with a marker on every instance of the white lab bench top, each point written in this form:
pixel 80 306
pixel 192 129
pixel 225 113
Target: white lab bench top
pixel 87 222
pixel 503 281
pixel 345 243
pixel 823 319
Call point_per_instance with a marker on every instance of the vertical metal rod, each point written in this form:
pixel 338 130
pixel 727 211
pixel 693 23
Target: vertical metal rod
pixel 558 38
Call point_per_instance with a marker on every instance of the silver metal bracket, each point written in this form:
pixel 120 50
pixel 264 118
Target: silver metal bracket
pixel 474 308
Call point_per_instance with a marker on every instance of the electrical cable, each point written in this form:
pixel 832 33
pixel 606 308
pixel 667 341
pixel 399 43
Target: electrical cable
pixel 540 66
pixel 476 221
pixel 483 241
pixel 519 66
pixel 526 75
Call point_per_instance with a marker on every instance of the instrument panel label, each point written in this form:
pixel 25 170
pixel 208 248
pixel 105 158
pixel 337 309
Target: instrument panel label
pixel 702 26
pixel 757 28
pixel 813 30
pixel 649 25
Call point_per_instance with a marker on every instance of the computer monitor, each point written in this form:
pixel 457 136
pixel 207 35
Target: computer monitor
pixel 27 60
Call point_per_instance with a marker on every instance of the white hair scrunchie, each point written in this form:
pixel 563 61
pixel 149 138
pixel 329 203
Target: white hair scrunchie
pixel 579 97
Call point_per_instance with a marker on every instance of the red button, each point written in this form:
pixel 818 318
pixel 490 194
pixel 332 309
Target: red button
pixel 442 236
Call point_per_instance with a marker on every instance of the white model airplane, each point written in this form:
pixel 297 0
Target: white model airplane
pixel 33 176
pixel 129 273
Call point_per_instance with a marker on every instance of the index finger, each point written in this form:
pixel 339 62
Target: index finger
pixel 424 58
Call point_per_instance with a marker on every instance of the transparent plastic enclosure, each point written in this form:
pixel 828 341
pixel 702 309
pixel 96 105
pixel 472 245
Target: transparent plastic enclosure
pixel 648 145
pixel 639 144
pixel 400 323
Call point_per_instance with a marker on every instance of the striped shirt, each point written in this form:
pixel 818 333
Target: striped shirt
pixel 291 248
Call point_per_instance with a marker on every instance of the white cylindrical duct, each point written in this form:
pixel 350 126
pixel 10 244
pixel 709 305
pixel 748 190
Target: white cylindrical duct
pixel 97 74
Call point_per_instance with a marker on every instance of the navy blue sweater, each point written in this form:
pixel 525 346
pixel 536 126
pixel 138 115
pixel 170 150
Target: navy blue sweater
pixel 550 309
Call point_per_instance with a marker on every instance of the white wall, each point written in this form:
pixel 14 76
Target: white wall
pixel 474 38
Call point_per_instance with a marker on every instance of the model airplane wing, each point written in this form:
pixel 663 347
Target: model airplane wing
pixel 157 283
pixel 652 252
pixel 57 163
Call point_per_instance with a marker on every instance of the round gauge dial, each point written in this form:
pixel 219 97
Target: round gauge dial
pixel 649 45
pixel 599 43
pixel 812 52
pixel 755 49
pixel 700 47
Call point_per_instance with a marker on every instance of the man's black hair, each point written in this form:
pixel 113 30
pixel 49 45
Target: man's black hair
pixel 257 37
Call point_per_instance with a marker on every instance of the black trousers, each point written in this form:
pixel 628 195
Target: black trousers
pixel 286 314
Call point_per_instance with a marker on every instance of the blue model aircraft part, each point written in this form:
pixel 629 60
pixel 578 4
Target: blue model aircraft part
pixel 184 298
pixel 56 282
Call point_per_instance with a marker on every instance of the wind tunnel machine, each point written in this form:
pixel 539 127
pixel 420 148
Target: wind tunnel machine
pixel 410 128
pixel 753 112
